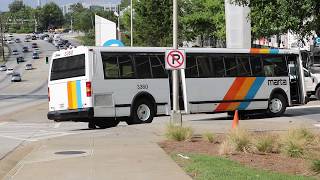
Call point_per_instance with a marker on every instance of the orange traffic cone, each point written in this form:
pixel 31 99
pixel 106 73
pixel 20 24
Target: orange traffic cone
pixel 235 121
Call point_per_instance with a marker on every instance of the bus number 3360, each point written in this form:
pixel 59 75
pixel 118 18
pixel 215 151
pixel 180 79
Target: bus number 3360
pixel 142 86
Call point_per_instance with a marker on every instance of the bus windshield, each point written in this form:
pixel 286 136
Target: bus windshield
pixel 68 67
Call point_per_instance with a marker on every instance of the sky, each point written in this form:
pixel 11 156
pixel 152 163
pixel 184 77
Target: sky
pixel 33 3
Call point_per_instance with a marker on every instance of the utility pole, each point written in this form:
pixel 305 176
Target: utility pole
pixel 176 117
pixel 131 25
pixel 2 44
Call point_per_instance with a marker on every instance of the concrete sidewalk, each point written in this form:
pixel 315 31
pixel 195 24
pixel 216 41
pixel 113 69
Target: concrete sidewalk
pixel 116 153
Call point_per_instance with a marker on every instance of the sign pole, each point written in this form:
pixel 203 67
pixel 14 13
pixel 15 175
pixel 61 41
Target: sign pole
pixel 176 117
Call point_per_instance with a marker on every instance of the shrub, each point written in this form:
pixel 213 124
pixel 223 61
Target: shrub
pixel 208 136
pixel 295 142
pixel 265 143
pixel 178 133
pixel 316 166
pixel 226 148
pixel 240 139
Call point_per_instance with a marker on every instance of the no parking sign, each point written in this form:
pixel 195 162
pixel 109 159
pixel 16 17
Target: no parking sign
pixel 175 59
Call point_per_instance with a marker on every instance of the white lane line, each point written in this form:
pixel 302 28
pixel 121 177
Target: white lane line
pixel 317 125
pixel 57 125
pixel 304 107
pixel 4 123
pixel 21 139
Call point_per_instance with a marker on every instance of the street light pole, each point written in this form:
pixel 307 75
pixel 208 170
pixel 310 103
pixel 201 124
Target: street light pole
pixel 131 25
pixel 1 32
pixel 176 117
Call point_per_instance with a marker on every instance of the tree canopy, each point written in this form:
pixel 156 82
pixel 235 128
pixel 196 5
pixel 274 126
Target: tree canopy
pixel 50 16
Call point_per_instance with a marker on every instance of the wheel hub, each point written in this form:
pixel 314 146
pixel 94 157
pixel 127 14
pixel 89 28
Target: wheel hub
pixel 275 105
pixel 143 112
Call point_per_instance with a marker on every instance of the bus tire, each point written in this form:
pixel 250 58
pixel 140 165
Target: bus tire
pixel 107 123
pixel 317 94
pixel 91 125
pixel 277 105
pixel 142 112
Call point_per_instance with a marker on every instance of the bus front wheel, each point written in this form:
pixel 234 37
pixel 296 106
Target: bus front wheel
pixel 277 105
pixel 318 93
pixel 142 112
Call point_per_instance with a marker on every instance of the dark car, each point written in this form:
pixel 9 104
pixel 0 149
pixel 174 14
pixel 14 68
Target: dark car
pixel 25 49
pixel 34 45
pixel 20 59
pixel 34 37
pixel 18 40
pixel 35 55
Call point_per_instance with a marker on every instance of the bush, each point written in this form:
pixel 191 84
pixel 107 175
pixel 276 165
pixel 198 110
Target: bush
pixel 178 133
pixel 295 142
pixel 316 166
pixel 240 139
pixel 209 137
pixel 226 148
pixel 265 143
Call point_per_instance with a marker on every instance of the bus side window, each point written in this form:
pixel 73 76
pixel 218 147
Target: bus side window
pixel 192 68
pixel 218 66
pixel 142 66
pixel 231 66
pixel 110 66
pixel 158 66
pixel 205 69
pixel 243 66
pixel 256 66
pixel 125 67
pixel 275 65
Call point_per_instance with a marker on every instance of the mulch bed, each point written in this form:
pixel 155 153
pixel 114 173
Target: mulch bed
pixel 270 161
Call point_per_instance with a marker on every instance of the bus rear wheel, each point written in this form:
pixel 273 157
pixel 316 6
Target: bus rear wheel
pixel 277 105
pixel 142 112
pixel 317 94
pixel 106 123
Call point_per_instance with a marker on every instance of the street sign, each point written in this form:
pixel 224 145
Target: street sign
pixel 175 59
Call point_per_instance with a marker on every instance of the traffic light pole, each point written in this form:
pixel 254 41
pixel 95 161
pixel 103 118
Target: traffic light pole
pixel 176 117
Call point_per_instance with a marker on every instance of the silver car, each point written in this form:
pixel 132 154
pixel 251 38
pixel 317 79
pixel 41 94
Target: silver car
pixel 28 67
pixel 16 77
pixel 15 52
pixel 3 67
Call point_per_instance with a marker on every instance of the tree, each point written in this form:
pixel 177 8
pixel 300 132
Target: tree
pixel 204 19
pixel 51 16
pixel 16 6
pixel 274 17
pixel 153 22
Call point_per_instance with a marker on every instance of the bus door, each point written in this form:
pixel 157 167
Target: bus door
pixel 295 90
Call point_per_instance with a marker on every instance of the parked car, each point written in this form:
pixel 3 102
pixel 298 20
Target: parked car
pixel 3 67
pixel 35 55
pixel 28 67
pixel 18 40
pixel 25 49
pixel 10 71
pixel 16 77
pixel 20 59
pixel 15 52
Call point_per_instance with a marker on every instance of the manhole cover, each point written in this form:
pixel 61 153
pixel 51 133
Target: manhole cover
pixel 69 152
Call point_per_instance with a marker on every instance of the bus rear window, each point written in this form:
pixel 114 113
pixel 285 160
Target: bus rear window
pixel 68 67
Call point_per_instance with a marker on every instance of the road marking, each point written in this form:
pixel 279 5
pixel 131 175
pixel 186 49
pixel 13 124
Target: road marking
pixel 57 125
pixel 4 123
pixel 16 138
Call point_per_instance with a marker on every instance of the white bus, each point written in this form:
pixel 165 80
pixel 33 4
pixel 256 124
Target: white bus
pixel 103 85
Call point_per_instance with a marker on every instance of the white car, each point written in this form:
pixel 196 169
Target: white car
pixel 10 41
pixel 28 67
pixel 37 50
pixel 15 52
pixel 46 39
pixel 16 77
pixel 3 67
pixel 10 71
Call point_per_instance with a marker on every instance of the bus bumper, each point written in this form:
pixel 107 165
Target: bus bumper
pixel 82 115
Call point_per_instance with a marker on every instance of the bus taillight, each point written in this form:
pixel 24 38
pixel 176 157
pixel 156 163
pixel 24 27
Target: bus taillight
pixel 88 89
pixel 48 94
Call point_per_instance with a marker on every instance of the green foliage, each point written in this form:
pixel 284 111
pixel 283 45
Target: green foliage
pixel 275 17
pixel 204 167
pixel 296 141
pixel 178 133
pixel 240 139
pixel 50 16
pixel 265 143
pixel 209 136
pixel 204 19
pixel 316 166
pixel 88 39
pixel 16 6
